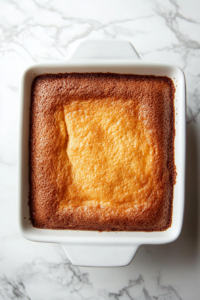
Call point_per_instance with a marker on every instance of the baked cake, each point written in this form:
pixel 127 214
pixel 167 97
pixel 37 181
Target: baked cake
pixel 102 152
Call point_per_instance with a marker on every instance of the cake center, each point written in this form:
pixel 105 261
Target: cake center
pixel 110 153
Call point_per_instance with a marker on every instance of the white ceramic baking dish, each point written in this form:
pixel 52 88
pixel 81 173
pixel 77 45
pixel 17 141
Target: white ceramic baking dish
pixel 87 248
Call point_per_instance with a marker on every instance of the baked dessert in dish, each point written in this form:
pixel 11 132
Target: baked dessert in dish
pixel 102 152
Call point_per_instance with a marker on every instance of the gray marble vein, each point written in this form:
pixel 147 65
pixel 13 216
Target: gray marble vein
pixel 71 283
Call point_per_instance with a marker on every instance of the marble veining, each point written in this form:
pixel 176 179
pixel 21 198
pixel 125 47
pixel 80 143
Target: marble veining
pixel 49 30
pixel 71 283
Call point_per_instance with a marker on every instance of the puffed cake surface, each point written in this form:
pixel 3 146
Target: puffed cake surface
pixel 102 152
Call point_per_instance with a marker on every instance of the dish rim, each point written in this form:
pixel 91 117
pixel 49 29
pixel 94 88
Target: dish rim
pixel 95 237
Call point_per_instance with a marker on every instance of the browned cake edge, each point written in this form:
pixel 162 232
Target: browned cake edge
pixel 123 226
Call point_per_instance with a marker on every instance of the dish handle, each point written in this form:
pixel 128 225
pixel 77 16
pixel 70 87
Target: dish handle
pixel 100 255
pixel 105 49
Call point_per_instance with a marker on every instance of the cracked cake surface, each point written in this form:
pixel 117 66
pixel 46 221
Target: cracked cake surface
pixel 102 152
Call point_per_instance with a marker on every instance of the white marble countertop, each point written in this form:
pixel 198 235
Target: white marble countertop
pixel 49 30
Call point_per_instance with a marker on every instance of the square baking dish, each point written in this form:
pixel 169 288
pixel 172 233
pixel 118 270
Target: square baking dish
pixel 93 248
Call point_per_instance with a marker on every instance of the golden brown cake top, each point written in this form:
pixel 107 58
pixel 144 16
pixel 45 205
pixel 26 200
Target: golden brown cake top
pixel 102 152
